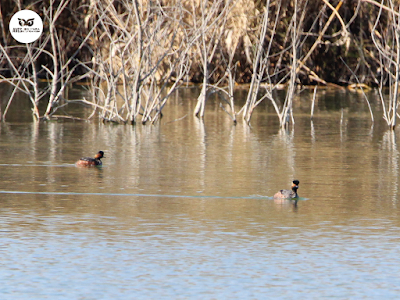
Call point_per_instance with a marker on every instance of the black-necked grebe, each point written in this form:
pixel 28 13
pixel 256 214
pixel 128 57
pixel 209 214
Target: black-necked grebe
pixel 89 162
pixel 288 193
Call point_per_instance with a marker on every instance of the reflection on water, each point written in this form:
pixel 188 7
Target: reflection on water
pixel 183 209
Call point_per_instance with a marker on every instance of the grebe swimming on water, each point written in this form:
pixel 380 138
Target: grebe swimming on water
pixel 89 162
pixel 287 194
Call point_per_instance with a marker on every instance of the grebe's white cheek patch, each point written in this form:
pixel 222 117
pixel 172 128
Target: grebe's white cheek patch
pixel 26 26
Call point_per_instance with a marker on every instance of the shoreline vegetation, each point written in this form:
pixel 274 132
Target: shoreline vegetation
pixel 134 54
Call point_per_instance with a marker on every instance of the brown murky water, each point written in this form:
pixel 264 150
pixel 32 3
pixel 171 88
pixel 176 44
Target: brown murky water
pixel 183 209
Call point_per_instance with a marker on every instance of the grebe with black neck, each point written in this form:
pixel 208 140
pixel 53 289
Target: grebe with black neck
pixel 91 162
pixel 288 194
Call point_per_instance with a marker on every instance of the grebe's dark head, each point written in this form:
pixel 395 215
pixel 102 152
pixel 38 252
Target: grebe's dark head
pixel 99 155
pixel 295 184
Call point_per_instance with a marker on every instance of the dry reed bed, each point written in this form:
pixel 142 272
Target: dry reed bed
pixel 135 54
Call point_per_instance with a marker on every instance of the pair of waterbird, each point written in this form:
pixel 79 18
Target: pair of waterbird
pixel 96 161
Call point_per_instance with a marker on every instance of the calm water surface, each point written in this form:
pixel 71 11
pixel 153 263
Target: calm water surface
pixel 183 209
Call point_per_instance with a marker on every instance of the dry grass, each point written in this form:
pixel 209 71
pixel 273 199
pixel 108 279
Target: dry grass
pixel 136 53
